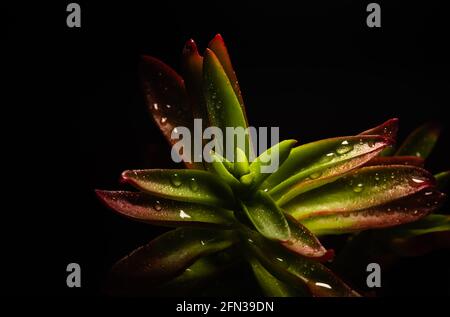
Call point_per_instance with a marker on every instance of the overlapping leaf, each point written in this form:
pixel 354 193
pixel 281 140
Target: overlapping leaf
pixel 182 185
pixel 315 164
pixel 421 141
pixel 166 99
pixel 308 276
pixel 168 256
pixel 150 209
pixel 362 189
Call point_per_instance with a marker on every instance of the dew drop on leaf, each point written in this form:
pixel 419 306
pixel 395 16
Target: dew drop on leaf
pixel 358 188
pixel 183 214
pixel 157 206
pixel 193 185
pixel 344 148
pixel 175 179
pixel 163 120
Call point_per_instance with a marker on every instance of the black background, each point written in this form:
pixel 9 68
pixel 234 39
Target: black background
pixel 74 116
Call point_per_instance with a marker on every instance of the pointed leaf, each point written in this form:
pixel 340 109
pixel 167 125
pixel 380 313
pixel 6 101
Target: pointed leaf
pixel 270 285
pixel 168 256
pixel 400 211
pixel 397 160
pixel 146 208
pixel 193 75
pixel 222 104
pixel 167 100
pixel 182 185
pixel 267 217
pixel 218 167
pixel 241 166
pixel 429 224
pixel 217 45
pixel 278 152
pixel 305 274
pixel 387 129
pixel 443 180
pixel 421 141
pixel 302 241
pixel 314 164
pixel 361 189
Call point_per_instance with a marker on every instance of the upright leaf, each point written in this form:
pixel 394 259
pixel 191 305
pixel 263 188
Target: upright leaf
pixel 222 104
pixel 166 99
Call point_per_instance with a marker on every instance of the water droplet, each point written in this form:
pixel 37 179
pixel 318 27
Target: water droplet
pixel 157 206
pixel 371 143
pixel 175 130
pixel 345 147
pixel 202 242
pixel 325 285
pixel 416 212
pixel 163 120
pixel 327 158
pixel 417 180
pixel 155 106
pixel 250 240
pixel 176 180
pixel 168 106
pixel 183 214
pixel 358 188
pixel 418 154
pixel 428 193
pixel 266 190
pixel 315 175
pixel 193 185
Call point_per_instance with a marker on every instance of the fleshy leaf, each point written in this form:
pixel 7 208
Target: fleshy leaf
pixel 300 272
pixel 400 211
pixel 315 164
pixel 421 141
pixel 218 166
pixel 270 285
pixel 359 190
pixel 168 256
pixel 222 104
pixel 201 273
pixel 166 99
pixel 281 150
pixel 241 166
pixel 146 208
pixel 387 129
pixel 429 224
pixel 443 180
pixel 302 241
pixel 397 160
pixel 267 217
pixel 183 185
pixel 193 76
pixel 217 45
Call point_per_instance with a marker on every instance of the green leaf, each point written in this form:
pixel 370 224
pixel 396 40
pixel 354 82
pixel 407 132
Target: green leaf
pixel 166 99
pixel 167 256
pixel 429 224
pixel 443 179
pixel 397 160
pixel 400 211
pixel 217 45
pixel 241 166
pixel 222 104
pixel 218 166
pixel 182 185
pixel 421 141
pixel 302 241
pixel 315 164
pixel 297 271
pixel 267 217
pixel 361 189
pixel 279 152
pixel 154 210
pixel 270 285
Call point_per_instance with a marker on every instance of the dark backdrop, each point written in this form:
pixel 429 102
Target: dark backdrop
pixel 76 117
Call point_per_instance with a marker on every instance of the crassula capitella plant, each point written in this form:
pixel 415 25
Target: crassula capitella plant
pixel 230 213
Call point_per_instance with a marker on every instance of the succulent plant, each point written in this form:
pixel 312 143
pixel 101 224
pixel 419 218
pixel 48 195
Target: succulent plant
pixel 230 213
